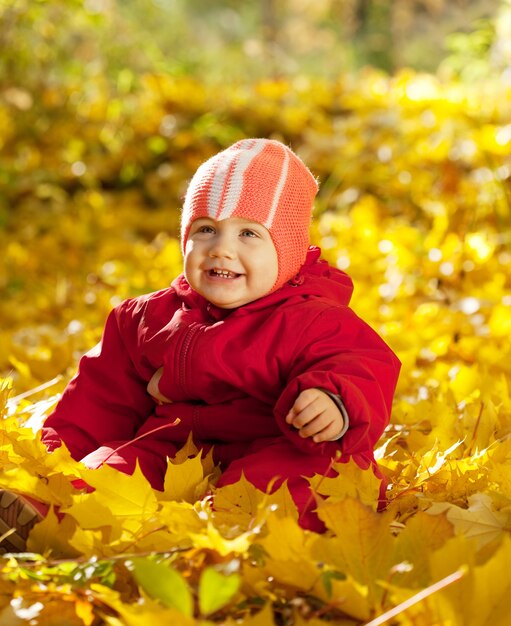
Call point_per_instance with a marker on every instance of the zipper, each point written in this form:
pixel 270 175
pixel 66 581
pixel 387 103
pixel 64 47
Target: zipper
pixel 192 331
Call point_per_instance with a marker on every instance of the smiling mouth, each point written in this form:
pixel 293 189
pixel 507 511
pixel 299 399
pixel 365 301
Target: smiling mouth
pixel 217 273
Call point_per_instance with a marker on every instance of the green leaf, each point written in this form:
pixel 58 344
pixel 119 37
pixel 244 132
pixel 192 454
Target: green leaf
pixel 327 577
pixel 163 583
pixel 216 590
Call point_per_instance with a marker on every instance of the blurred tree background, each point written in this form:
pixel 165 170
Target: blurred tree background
pixel 226 40
pixel 322 37
pixel 108 107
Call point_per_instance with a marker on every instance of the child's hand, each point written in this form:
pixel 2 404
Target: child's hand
pixel 316 415
pixel 152 388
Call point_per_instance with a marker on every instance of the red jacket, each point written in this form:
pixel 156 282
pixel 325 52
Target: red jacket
pixel 232 376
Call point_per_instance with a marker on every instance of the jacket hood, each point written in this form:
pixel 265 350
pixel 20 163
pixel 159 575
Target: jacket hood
pixel 316 279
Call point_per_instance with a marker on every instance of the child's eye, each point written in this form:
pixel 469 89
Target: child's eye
pixel 205 229
pixel 248 233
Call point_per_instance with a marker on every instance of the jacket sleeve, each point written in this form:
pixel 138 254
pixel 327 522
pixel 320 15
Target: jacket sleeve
pixel 106 400
pixel 341 354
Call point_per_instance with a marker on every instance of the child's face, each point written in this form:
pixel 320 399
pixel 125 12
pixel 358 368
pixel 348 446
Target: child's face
pixel 231 262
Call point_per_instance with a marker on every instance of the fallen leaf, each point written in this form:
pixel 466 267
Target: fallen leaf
pixel 479 521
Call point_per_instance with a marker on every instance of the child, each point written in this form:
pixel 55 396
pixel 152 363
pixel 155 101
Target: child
pixel 253 348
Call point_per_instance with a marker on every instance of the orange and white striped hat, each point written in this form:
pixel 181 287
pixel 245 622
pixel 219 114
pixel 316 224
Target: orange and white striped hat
pixel 260 180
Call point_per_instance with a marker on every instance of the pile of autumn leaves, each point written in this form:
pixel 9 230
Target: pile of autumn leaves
pixel 415 206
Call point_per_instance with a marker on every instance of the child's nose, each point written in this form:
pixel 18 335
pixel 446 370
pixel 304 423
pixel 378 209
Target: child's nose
pixel 222 247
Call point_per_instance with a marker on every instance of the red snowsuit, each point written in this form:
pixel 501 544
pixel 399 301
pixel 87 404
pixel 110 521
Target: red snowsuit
pixel 232 376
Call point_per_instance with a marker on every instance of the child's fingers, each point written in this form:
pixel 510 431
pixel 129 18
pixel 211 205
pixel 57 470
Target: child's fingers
pixel 330 433
pixel 153 390
pixel 152 387
pixel 315 426
pixel 303 409
pixel 305 417
pixel 315 415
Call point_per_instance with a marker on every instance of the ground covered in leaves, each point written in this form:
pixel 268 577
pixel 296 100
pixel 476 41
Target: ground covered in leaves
pixel 414 204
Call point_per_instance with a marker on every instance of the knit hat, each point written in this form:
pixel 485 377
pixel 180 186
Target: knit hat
pixel 260 180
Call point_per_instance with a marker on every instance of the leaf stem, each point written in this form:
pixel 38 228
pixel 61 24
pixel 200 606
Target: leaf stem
pixel 428 591
pixel 31 392
pixel 142 436
pixel 474 432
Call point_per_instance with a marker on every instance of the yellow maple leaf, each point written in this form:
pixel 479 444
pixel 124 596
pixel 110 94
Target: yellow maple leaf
pixel 280 502
pixel 186 452
pixel 500 479
pixel 347 595
pixel 285 540
pixel 481 597
pixel 60 460
pixel 212 539
pixel 29 468
pixel 55 490
pixel 241 499
pixel 190 450
pixel 242 504
pixel 422 534
pixel 154 540
pixel 184 481
pixel 90 511
pixel 119 533
pixel 480 521
pixel 453 603
pixel 426 465
pixel 362 545
pixel 492 589
pixel 351 482
pixel 287 555
pixel 181 517
pixel 124 495
pixel 53 536
pixel 90 543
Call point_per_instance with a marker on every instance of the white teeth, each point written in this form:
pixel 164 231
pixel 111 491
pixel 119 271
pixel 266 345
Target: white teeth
pixel 224 273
